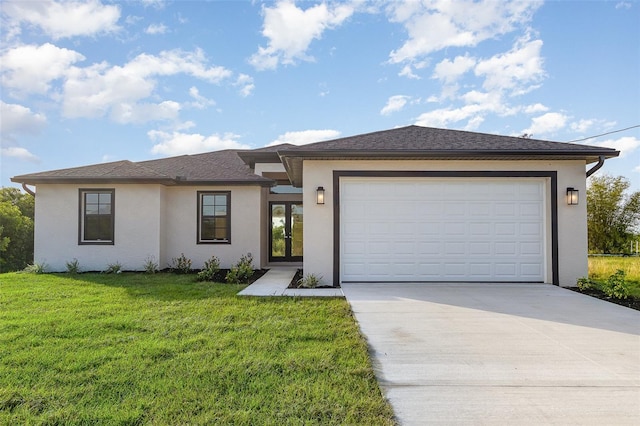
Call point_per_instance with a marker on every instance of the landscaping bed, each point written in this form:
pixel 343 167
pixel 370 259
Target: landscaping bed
pixel 300 281
pixel 631 302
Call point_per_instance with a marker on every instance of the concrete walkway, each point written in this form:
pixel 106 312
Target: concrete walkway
pixel 505 354
pixel 276 281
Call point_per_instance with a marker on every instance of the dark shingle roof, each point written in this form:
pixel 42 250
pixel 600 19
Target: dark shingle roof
pixel 427 139
pixel 234 167
pixel 417 142
pixel 224 167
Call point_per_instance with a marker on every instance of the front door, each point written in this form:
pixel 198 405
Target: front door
pixel 285 238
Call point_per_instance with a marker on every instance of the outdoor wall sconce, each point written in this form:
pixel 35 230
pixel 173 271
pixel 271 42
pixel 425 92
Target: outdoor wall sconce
pixel 572 196
pixel 320 195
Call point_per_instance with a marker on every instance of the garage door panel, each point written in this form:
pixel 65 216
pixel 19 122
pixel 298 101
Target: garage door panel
pixel 447 229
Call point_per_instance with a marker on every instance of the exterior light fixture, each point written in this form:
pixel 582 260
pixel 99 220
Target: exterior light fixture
pixel 572 196
pixel 320 195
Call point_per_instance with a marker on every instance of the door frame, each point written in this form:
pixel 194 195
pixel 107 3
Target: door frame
pixel 551 209
pixel 288 257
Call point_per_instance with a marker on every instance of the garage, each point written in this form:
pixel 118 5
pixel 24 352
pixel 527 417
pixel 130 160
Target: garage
pixel 443 229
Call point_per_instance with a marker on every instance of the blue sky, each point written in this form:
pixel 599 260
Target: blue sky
pixel 85 82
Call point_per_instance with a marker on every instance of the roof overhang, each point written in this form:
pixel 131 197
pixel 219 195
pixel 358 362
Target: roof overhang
pixel 132 181
pixel 293 159
pixel 251 158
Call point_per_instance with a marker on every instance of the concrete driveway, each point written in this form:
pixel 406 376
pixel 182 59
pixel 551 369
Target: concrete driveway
pixel 501 353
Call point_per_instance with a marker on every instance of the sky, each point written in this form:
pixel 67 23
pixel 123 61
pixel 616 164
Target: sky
pixel 86 82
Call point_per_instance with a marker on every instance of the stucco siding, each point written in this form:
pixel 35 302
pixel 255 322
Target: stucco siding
pixel 181 226
pixel 572 230
pixel 151 222
pixel 137 227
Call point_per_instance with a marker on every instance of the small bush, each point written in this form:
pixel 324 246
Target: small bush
pixel 211 268
pixel 181 265
pixel 113 268
pixel 584 283
pixel 150 265
pixel 73 266
pixel 36 268
pixel 616 285
pixel 241 271
pixel 309 281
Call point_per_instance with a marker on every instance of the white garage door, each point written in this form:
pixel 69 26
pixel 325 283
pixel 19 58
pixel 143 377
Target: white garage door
pixel 442 229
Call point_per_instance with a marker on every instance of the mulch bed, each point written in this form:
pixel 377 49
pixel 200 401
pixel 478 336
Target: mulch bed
pixel 297 277
pixel 221 275
pixel 630 302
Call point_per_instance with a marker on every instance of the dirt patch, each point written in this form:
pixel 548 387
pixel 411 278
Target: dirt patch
pixel 630 302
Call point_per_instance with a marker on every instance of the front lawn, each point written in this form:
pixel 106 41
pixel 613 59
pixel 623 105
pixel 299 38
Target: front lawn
pixel 163 349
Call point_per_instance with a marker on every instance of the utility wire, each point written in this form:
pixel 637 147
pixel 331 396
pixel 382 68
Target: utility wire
pixel 604 134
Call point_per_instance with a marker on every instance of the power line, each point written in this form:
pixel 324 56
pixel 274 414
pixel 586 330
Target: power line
pixel 604 134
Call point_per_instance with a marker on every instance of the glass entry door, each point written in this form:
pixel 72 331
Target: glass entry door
pixel 285 238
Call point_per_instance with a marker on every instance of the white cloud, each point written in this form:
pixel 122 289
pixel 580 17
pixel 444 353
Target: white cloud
pixel 145 112
pixel 623 5
pixel 435 26
pixel 19 120
pixel 20 154
pixel 291 30
pixel 445 116
pixel 306 136
pixel 394 104
pixel 535 108
pixel 64 19
pixel 516 71
pixel 546 123
pixel 96 90
pixel 245 82
pixel 176 143
pixel 582 125
pixel 158 4
pixel 154 29
pixel 200 102
pixel 626 145
pixel 449 71
pixel 31 69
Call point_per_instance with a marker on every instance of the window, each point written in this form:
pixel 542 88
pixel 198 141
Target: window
pixel 214 217
pixel 96 216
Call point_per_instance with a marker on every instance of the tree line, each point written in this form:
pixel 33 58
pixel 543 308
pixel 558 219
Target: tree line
pixel 613 221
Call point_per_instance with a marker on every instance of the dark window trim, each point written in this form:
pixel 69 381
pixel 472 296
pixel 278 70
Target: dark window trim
pixel 199 217
pixel 552 175
pixel 81 211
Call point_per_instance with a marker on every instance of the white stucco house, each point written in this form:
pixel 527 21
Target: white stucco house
pixel 411 204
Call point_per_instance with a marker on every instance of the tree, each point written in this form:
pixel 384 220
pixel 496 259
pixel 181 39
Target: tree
pixel 16 229
pixel 612 216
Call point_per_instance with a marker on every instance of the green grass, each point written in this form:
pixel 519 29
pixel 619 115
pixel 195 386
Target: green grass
pixel 601 267
pixel 163 349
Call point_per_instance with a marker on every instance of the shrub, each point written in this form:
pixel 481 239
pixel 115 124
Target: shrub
pixel 584 283
pixel 616 286
pixel 241 271
pixel 211 268
pixel 113 268
pixel 181 265
pixel 36 268
pixel 309 281
pixel 150 265
pixel 73 266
